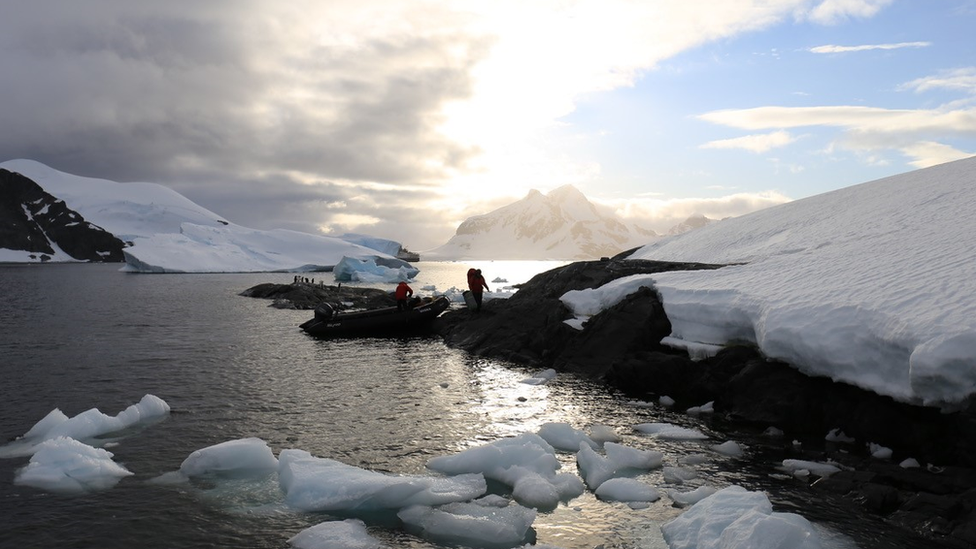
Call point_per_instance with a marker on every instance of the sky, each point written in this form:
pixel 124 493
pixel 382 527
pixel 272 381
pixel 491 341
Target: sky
pixel 402 119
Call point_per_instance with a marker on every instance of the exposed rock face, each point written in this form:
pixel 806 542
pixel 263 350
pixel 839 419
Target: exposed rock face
pixel 307 296
pixel 622 347
pixel 34 221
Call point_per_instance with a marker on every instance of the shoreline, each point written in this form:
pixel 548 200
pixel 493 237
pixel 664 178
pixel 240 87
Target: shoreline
pixel 621 348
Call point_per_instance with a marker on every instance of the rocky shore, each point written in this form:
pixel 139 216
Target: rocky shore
pixel 308 295
pixel 621 347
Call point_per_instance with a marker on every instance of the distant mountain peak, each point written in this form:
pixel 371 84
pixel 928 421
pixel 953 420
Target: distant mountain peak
pixel 562 224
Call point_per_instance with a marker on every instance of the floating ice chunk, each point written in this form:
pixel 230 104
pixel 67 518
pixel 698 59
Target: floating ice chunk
pixel 595 468
pixel 773 432
pixel 626 490
pixel 345 534
pixel 910 463
pixel 602 434
pixel 85 426
pixel 563 436
pixel 237 458
pixel 666 401
pixel 684 499
pixel 373 269
pixel 541 378
pixel 528 450
pixel 728 448
pixel 620 459
pixel 836 435
pixel 65 465
pixel 625 457
pixel 817 468
pixel 670 432
pixel 735 517
pixel 707 408
pixel 693 459
pixel 532 490
pixel 678 475
pixel 878 451
pixel 526 458
pixel 322 484
pixel 470 524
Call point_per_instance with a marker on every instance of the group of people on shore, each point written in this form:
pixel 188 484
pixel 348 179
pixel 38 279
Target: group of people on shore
pixel 476 284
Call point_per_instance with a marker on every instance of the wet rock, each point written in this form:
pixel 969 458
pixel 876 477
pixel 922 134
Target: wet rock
pixel 307 296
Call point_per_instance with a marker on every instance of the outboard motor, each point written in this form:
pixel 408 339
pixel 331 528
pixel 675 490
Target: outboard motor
pixel 324 312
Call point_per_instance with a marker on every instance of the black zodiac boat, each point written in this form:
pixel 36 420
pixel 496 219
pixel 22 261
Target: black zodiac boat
pixel 375 322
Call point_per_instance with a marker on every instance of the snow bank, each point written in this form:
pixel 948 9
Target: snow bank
pixel 234 249
pixel 872 285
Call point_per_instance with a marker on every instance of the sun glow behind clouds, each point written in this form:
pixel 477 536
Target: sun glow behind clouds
pixel 547 56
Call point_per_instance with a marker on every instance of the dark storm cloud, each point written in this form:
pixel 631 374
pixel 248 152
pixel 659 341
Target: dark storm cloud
pixel 215 100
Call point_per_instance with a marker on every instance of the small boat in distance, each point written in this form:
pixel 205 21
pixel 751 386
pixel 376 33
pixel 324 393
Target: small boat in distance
pixel 406 255
pixel 387 321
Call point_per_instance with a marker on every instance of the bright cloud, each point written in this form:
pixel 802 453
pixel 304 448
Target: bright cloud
pixel 754 143
pixel 867 128
pixel 662 214
pixel 963 80
pixel 867 47
pixel 277 114
pixel 831 12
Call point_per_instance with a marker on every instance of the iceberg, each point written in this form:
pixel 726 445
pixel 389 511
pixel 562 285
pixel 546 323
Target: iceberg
pixel 373 269
pixel 322 484
pixel 65 465
pixel 85 426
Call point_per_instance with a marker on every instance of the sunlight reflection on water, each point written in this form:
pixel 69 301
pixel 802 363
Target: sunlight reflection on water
pixel 83 336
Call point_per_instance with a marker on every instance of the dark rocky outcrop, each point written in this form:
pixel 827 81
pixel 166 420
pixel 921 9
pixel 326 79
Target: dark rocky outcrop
pixel 307 296
pixel 621 346
pixel 34 221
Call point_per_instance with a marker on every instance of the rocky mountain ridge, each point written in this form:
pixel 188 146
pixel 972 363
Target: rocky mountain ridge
pixel 34 221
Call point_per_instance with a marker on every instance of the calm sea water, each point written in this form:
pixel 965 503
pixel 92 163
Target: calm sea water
pixel 76 337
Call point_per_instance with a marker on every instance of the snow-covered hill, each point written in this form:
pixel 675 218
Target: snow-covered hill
pixel 167 232
pixel 873 285
pixel 561 225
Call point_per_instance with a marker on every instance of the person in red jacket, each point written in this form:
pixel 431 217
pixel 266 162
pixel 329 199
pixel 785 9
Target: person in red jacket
pixel 402 293
pixel 477 284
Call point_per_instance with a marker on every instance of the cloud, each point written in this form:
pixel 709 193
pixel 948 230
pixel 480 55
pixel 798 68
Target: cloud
pixel 753 143
pixel 275 113
pixel 868 47
pixel 831 12
pixel 662 214
pixel 874 129
pixel 963 80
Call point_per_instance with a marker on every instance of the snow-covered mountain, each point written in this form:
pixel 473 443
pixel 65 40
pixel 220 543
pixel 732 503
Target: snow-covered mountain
pixel 166 232
pixel 561 225
pixel 36 226
pixel 693 222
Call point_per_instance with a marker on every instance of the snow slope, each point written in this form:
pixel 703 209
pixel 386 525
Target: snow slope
pixel 872 285
pixel 170 233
